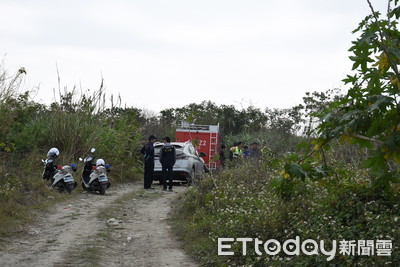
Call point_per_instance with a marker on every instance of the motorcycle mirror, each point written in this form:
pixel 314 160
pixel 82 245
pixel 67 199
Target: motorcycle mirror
pixel 43 161
pixel 80 159
pixel 92 150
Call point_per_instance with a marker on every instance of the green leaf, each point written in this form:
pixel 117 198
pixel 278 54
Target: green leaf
pixel 376 162
pixel 349 115
pixel 396 12
pixel 292 157
pixel 368 37
pixel 275 163
pixel 350 79
pixel 393 142
pixel 380 102
pixel 295 170
pixel 322 171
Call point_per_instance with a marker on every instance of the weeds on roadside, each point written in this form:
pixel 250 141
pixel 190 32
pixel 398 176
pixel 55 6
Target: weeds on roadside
pixel 74 123
pixel 246 204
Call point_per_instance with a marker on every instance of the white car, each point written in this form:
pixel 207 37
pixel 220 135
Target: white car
pixel 188 165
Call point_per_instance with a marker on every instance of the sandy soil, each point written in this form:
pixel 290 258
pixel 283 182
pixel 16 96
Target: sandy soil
pixel 133 231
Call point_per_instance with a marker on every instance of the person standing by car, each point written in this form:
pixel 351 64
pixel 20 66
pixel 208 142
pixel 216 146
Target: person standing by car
pixel 148 152
pixel 167 159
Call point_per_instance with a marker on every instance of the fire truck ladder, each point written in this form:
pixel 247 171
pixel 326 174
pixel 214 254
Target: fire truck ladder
pixel 213 149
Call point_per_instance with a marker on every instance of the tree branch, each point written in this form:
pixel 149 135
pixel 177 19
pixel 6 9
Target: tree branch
pixel 381 35
pixel 358 136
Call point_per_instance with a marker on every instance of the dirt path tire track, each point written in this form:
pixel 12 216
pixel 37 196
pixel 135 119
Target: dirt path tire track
pixel 140 240
pixel 151 240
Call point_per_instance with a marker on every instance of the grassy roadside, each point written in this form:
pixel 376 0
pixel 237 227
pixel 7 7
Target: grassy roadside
pixel 245 206
pixel 23 195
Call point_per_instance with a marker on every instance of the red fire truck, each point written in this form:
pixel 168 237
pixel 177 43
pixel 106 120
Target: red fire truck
pixel 205 138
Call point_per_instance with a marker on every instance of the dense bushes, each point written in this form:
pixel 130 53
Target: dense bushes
pixel 74 124
pixel 270 140
pixel 245 205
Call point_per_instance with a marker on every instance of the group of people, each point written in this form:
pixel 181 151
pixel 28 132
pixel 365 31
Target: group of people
pixel 167 158
pixel 239 150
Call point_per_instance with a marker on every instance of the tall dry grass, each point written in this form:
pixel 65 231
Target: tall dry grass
pixel 75 122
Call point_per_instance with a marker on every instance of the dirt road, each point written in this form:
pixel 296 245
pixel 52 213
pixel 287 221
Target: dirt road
pixel 127 227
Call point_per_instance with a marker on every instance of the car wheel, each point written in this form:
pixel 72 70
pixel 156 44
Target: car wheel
pixel 190 177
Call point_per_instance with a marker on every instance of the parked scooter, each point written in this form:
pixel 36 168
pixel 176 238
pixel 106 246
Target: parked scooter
pixel 60 177
pixel 94 176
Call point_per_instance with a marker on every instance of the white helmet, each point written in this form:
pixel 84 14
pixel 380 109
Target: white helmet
pixel 100 162
pixel 53 152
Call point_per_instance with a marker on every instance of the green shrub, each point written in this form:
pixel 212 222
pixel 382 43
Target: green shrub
pixel 246 205
pixel 22 191
pixel 74 124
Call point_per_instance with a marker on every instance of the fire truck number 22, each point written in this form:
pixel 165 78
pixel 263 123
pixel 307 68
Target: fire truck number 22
pixel 202 143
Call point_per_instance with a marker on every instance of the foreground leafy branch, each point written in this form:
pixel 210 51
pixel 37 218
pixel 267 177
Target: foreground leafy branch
pixel 369 115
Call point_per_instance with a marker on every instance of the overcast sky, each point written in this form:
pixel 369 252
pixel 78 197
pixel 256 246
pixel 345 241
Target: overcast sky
pixel 159 54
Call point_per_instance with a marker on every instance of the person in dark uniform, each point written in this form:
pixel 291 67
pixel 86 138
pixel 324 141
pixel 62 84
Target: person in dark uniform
pixel 148 152
pixel 222 156
pixel 167 160
pixel 255 152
